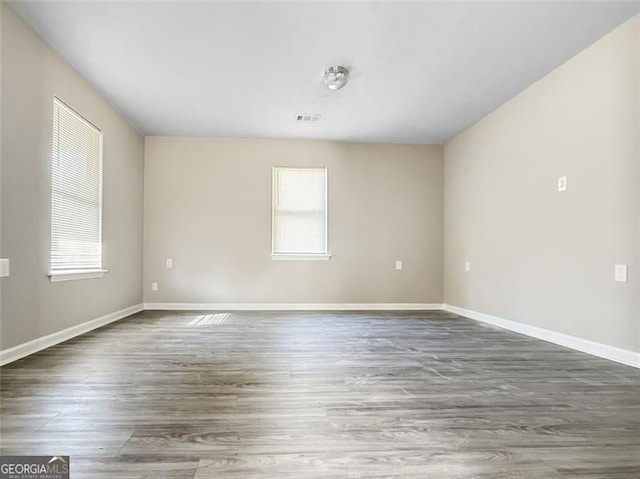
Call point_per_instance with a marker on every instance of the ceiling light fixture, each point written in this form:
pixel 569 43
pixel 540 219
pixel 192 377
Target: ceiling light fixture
pixel 335 77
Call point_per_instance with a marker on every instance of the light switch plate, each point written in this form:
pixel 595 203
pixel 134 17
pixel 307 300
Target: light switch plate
pixel 169 263
pixel 399 265
pixel 154 286
pixel 4 267
pixel 620 273
pixel 467 266
pixel 562 183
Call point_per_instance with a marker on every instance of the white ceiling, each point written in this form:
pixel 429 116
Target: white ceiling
pixel 420 72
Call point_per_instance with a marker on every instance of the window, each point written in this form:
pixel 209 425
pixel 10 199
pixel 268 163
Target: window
pixel 299 213
pixel 76 195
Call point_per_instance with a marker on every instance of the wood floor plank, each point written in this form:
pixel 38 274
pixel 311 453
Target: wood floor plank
pixel 133 467
pixel 305 395
pixel 415 464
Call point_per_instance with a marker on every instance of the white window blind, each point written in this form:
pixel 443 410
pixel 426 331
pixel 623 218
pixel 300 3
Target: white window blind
pixel 299 211
pixel 76 192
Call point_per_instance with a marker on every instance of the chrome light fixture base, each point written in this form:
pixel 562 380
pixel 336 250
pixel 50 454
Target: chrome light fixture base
pixel 335 77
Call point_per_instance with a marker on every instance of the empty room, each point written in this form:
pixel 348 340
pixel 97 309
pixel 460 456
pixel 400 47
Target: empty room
pixel 319 240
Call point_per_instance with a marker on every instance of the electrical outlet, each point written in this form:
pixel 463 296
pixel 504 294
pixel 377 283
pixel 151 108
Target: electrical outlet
pixel 467 266
pixel 4 267
pixel 398 265
pixel 620 273
pixel 169 263
pixel 154 286
pixel 562 183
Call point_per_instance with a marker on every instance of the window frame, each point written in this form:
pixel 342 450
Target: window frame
pixel 322 256
pixel 57 275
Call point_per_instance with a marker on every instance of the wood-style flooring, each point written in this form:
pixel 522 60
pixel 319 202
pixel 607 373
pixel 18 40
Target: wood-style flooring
pixel 286 395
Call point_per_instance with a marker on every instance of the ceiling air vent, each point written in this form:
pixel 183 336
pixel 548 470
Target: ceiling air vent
pixel 307 117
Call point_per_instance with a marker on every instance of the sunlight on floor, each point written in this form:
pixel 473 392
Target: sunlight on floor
pixel 207 319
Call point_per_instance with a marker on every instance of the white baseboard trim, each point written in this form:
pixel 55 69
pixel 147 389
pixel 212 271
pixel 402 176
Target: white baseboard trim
pixel 624 356
pixel 31 347
pixel 612 353
pixel 293 306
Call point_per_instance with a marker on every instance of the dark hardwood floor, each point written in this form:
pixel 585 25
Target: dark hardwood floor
pixel 321 395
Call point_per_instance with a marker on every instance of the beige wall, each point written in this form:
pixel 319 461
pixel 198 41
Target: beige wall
pixel 208 207
pixel 32 73
pixel 1 103
pixel 538 256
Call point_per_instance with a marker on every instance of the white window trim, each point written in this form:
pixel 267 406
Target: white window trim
pixel 301 256
pixel 76 274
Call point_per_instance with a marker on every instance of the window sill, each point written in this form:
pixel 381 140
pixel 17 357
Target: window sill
pixel 73 275
pixel 300 257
